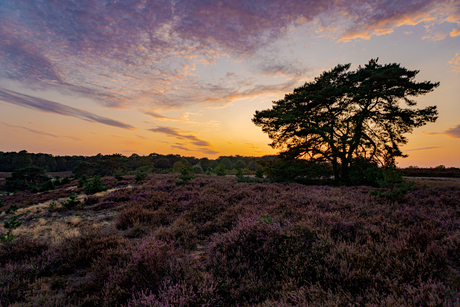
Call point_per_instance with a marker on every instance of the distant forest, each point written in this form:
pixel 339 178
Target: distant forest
pixel 107 165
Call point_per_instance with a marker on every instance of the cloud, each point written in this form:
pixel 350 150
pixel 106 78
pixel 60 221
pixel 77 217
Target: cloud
pixel 424 148
pixel 455 62
pixel 455 32
pixel 383 16
pixel 40 132
pixel 183 118
pixel 180 147
pixel 451 132
pixel 174 132
pixel 177 133
pixel 48 106
pixel 144 53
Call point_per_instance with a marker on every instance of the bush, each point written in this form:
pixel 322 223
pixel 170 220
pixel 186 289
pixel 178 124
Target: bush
pixel 394 182
pixel 286 170
pixel 13 223
pixel 47 185
pixel 186 174
pixel 82 181
pixel 260 172
pixel 95 186
pixel 140 176
pixel 72 202
pixel 26 179
pixel 197 169
pixel 221 170
pixel 118 174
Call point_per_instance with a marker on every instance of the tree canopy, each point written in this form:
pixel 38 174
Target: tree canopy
pixel 343 116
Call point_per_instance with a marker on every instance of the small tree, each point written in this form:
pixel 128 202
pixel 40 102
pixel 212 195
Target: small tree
pixel 94 186
pixel 221 170
pixel 186 174
pixel 197 169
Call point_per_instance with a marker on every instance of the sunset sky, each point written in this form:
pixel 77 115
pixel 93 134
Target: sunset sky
pixel 185 77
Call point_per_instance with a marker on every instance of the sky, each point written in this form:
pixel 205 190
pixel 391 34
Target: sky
pixel 185 77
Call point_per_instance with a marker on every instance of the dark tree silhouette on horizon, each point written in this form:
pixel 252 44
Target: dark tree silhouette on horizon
pixel 343 116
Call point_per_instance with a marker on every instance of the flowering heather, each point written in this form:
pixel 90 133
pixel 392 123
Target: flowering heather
pixel 217 242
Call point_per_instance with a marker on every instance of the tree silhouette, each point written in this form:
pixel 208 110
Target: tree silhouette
pixel 345 115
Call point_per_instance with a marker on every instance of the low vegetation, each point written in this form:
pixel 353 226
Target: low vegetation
pixel 214 241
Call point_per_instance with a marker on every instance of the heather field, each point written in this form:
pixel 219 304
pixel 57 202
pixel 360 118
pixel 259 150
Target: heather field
pixel 215 241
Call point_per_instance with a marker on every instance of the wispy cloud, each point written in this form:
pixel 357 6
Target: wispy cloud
pixel 451 132
pixel 40 132
pixel 424 148
pixel 183 118
pixel 455 62
pixel 192 139
pixel 48 106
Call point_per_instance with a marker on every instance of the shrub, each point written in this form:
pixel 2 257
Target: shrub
pixel 239 173
pixel 11 209
pixel 82 181
pixel 260 172
pixel 72 202
pixel 221 170
pixel 47 185
pixel 26 179
pixel 134 214
pixel 13 223
pixel 197 169
pixel 24 249
pixel 118 175
pixel 186 174
pixel 95 186
pixel 140 176
pixel 393 180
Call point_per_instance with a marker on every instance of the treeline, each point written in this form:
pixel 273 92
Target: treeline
pixel 438 171
pixel 107 165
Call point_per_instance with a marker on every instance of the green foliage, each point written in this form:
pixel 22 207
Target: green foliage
pixel 47 185
pixel 177 166
pixel 11 209
pixel 265 219
pixel 297 170
pixel 394 182
pixel 197 169
pixel 364 173
pixel 260 171
pixel 52 207
pixel 186 174
pixel 227 163
pixel 118 174
pixel 140 176
pixel 240 164
pixel 71 203
pixel 94 186
pixel 239 173
pixel 82 181
pixel 26 179
pixel 13 223
pixel 342 115
pixel 66 180
pixel 250 179
pixel 221 170
pixel 84 168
